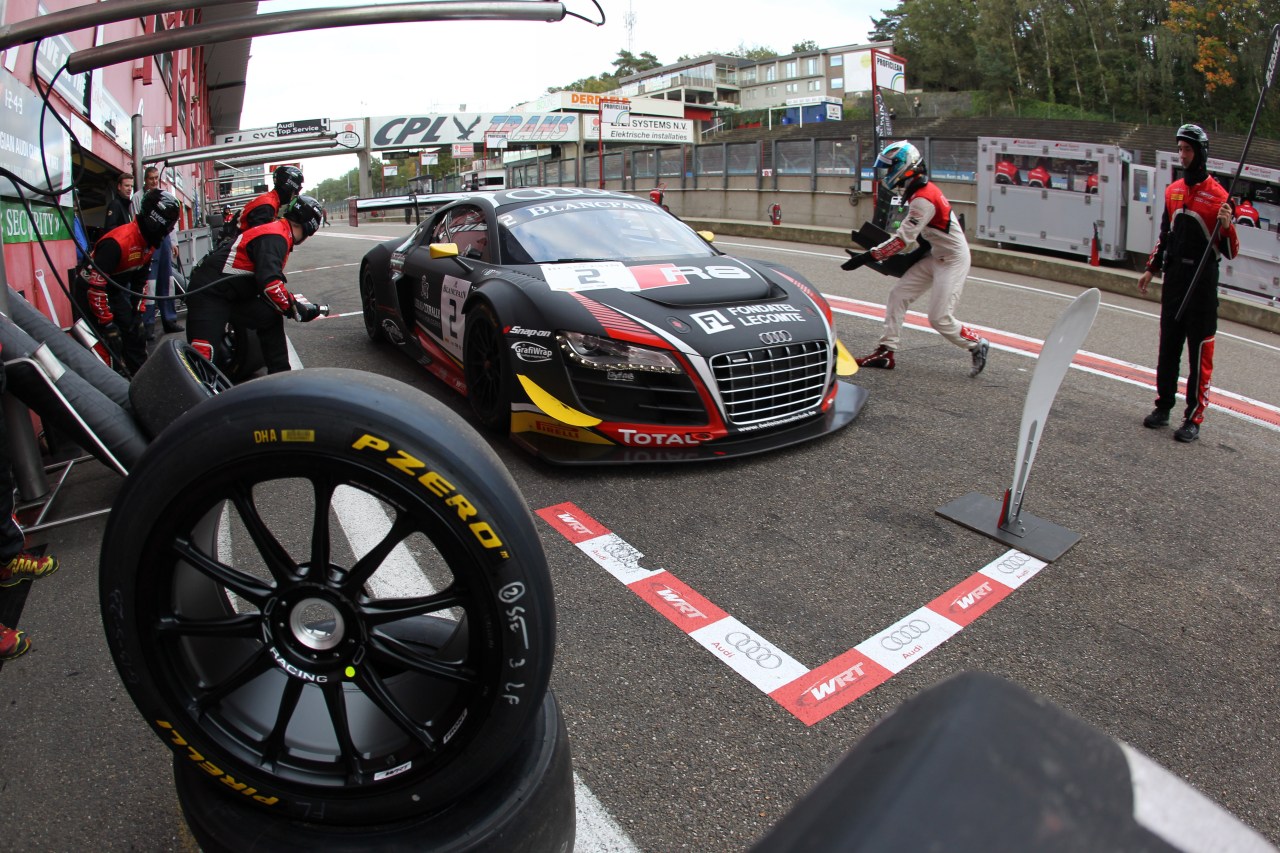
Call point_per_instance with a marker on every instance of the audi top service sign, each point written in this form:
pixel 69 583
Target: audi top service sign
pixel 298 128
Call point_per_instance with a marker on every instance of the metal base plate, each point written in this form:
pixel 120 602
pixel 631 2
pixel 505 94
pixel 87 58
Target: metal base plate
pixel 1035 536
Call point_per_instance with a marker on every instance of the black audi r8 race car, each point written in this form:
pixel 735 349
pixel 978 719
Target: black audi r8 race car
pixel 596 327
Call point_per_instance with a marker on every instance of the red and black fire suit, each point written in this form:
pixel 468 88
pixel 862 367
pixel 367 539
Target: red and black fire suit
pixel 1007 173
pixel 263 209
pixel 1188 220
pixel 246 284
pixel 123 256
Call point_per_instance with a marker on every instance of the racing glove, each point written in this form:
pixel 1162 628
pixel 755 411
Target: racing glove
pixel 279 297
pixel 856 259
pixel 98 302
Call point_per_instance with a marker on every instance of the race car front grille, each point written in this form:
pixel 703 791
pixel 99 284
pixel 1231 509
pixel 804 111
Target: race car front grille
pixel 772 382
pixel 638 396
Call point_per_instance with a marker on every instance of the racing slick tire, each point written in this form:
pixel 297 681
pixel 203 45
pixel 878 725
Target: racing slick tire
pixel 173 379
pixel 69 402
pixel 69 351
pixel 486 364
pixel 369 308
pixel 526 806
pixel 244 350
pixel 263 639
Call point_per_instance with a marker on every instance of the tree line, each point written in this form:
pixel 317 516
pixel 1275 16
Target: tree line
pixel 1147 61
pixel 1154 61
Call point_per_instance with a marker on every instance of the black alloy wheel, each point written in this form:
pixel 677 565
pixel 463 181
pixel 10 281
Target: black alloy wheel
pixel 329 670
pixel 369 308
pixel 487 368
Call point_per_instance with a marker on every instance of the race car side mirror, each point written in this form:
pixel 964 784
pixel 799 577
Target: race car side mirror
pixel 709 236
pixel 444 250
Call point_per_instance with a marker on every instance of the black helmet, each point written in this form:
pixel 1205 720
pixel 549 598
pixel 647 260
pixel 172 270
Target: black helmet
pixel 157 216
pixel 307 212
pixel 1198 139
pixel 288 182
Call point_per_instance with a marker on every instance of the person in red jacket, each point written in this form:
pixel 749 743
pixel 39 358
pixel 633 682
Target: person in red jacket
pixel 268 206
pixel 1247 214
pixel 1007 172
pixel 1039 176
pixel 244 281
pixel 1192 204
pixel 110 287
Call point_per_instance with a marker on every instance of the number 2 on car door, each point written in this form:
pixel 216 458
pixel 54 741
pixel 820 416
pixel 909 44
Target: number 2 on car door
pixel 453 294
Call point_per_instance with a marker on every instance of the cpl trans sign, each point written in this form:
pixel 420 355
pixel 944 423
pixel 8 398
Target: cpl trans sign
pixel 457 128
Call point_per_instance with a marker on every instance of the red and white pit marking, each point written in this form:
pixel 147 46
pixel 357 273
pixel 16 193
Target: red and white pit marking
pixel 810 694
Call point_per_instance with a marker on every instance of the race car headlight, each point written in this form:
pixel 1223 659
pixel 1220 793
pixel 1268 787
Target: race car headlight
pixel 608 354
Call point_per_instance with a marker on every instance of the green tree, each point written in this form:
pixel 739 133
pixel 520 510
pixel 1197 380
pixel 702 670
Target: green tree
pixel 804 46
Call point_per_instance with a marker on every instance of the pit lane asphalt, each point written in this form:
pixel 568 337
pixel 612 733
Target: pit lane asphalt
pixel 1159 627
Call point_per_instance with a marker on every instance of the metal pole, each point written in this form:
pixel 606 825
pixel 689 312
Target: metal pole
pixel 311 19
pixel 83 17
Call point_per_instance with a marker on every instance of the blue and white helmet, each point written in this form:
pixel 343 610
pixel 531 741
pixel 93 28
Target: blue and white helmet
pixel 897 164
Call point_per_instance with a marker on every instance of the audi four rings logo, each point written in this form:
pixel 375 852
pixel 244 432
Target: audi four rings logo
pixel 905 634
pixel 778 337
pixel 1012 563
pixel 754 650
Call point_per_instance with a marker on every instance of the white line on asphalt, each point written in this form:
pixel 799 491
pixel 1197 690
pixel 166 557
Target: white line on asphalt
pixel 365 523
pixel 1037 290
pixel 376 238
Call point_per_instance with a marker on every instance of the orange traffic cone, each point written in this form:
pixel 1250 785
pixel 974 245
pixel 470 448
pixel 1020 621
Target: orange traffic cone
pixel 1094 261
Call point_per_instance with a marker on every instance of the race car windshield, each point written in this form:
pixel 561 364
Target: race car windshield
pixel 548 233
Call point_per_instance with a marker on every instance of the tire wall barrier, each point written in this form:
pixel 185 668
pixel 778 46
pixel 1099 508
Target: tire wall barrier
pixel 114 386
pixel 95 422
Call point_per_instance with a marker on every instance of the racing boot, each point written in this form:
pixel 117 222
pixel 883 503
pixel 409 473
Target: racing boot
pixel 882 358
pixel 1188 432
pixel 12 643
pixel 978 352
pixel 1157 418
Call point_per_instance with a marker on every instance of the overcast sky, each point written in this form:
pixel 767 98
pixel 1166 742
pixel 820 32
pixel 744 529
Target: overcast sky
pixel 490 66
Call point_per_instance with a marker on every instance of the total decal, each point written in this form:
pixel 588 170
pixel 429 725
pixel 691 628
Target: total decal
pixel 653 437
pixel 615 275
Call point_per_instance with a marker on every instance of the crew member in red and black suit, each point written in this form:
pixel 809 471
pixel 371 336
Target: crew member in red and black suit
pixel 1191 204
pixel 244 281
pixel 268 206
pixel 110 287
pixel 1007 172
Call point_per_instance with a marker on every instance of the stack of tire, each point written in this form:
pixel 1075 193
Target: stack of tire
pixel 308 705
pixel 73 391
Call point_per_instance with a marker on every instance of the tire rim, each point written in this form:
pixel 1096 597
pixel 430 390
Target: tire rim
pixel 206 374
pixel 369 305
pixel 484 368
pixel 306 668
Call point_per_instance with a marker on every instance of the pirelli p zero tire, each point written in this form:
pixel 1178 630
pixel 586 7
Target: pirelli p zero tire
pixel 244 350
pixel 526 806
pixel 173 379
pixel 486 364
pixel 324 589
